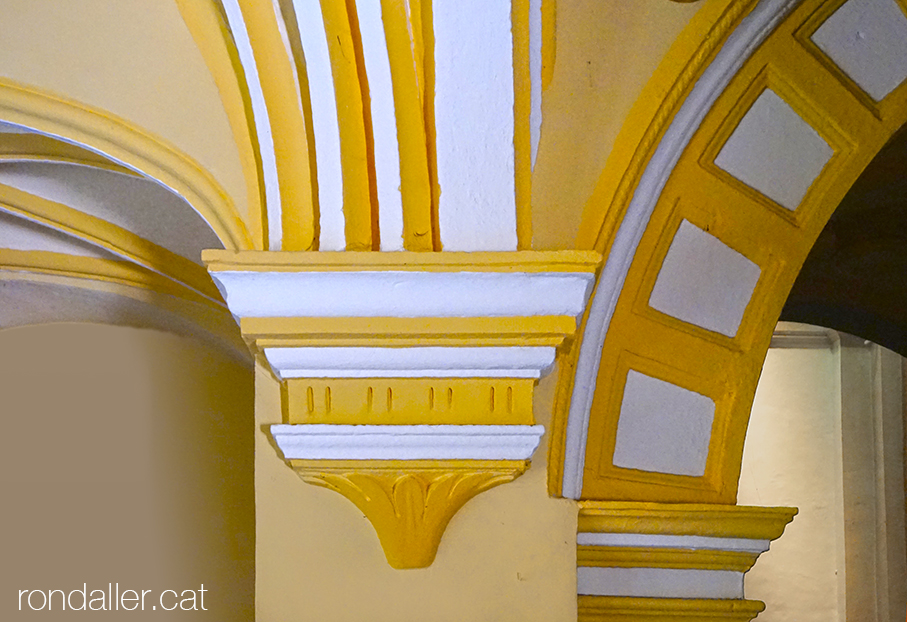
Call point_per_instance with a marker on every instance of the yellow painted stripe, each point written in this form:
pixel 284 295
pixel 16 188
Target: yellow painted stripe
pixel 654 557
pixel 403 31
pixel 522 107
pixel 209 29
pixel 109 237
pixel 288 130
pixel 359 198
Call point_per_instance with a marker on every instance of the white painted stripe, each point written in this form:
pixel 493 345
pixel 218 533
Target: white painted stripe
pixel 750 33
pixel 418 362
pixel 325 125
pixel 404 294
pixel 535 76
pixel 474 124
pixel 746 545
pixel 384 124
pixel 659 582
pixel 262 123
pixel 407 442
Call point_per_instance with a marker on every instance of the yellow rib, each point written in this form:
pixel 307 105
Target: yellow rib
pixel 403 31
pixel 213 39
pixel 110 237
pixel 291 145
pixel 359 202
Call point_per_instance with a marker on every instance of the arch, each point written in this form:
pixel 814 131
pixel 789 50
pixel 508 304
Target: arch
pixel 706 210
pixel 116 138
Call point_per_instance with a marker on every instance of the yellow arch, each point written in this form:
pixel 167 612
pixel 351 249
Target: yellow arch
pixel 118 139
pixel 775 238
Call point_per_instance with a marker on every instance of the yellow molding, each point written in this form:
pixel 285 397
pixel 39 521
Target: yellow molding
pixel 520 261
pixel 719 521
pixel 401 332
pixel 652 557
pixel 109 237
pixel 282 96
pixel 360 203
pixel 40 148
pixel 626 609
pixel 212 36
pixel 130 146
pixel 409 503
pixel 408 401
pixel 403 32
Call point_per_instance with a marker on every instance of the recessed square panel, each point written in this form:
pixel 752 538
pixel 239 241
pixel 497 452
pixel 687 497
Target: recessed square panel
pixel 704 282
pixel 663 428
pixel 867 39
pixel 774 151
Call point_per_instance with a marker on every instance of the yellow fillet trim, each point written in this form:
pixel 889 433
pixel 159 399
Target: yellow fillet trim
pixel 283 100
pixel 359 202
pixel 41 148
pixel 109 237
pixel 408 401
pixel 212 37
pixel 640 557
pixel 684 519
pixel 626 609
pixel 402 332
pixel 130 146
pixel 519 261
pixel 403 32
pixel 522 107
pixel 409 503
pixel 122 278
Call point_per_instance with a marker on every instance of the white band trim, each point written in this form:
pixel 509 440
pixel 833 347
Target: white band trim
pixel 407 442
pixel 659 582
pixel 745 545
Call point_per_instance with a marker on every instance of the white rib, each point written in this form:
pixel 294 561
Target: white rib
pixel 325 125
pixel 262 122
pixel 407 442
pixel 751 32
pixel 384 124
pixel 535 76
pixel 708 543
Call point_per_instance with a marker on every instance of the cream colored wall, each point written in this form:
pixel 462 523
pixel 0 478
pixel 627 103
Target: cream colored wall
pixel 508 556
pixel 125 457
pixel 606 52
pixel 134 58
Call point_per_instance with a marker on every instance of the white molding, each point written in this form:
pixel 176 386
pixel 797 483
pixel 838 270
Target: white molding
pixel 659 582
pixel 404 294
pixel 647 540
pixel 411 362
pixel 749 34
pixel 407 442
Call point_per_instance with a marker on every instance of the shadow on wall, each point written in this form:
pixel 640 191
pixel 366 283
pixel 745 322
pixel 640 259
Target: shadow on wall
pixel 126 459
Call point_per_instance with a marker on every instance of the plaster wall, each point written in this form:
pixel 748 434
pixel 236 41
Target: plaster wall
pixel 507 555
pixel 125 458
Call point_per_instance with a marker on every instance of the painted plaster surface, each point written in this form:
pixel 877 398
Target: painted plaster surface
pixel 867 39
pixel 659 582
pixel 140 63
pixel 663 427
pixel 775 151
pixel 704 282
